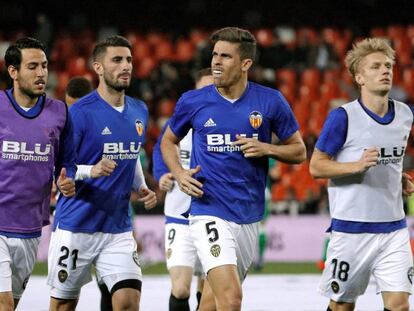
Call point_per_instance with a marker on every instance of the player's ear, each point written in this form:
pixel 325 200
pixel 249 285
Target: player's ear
pixel 246 64
pixel 12 72
pixel 359 79
pixel 97 66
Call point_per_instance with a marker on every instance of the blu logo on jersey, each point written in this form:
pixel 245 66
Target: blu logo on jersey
pixel 391 155
pixel 119 147
pixel 223 142
pixel 21 147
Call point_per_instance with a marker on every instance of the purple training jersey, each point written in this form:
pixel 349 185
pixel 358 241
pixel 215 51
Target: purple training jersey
pixel 32 144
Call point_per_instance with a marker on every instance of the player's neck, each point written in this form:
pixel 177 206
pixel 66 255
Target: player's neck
pixel 234 91
pixel 24 100
pixel 111 96
pixel 378 104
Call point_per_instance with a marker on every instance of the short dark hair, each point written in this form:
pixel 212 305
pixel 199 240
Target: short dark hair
pixel 101 46
pixel 78 87
pixel 13 56
pixel 246 40
pixel 205 72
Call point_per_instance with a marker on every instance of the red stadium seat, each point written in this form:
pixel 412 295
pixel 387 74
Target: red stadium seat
pixel 141 50
pixel 184 50
pixel 165 107
pixel 311 77
pixel 378 32
pixel 76 66
pixel 197 36
pixel 288 92
pixel 286 76
pixel 329 90
pixel 395 31
pixel 145 67
pixel 164 50
pixel 264 37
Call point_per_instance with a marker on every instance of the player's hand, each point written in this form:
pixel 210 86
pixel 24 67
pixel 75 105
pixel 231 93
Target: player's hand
pixel 368 159
pixel 166 182
pixel 188 184
pixel 251 147
pixel 105 167
pixel 66 185
pixel 407 185
pixel 148 197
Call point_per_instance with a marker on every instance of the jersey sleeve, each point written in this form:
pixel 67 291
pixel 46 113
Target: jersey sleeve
pixel 146 116
pixel 180 122
pixel 412 110
pixel 334 132
pixel 158 167
pixel 67 152
pixel 78 121
pixel 284 123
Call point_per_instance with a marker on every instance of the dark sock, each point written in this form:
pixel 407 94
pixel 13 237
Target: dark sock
pixel 198 295
pixel 106 298
pixel 179 304
pixel 329 309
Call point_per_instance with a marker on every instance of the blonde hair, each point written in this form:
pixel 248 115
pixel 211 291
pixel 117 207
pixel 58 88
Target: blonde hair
pixel 365 47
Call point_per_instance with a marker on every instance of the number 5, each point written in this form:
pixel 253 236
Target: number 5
pixel 213 231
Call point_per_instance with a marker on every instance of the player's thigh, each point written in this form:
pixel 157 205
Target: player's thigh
pixel 225 283
pixel 348 266
pixel 179 246
pixel 214 241
pixel 246 247
pixel 118 263
pixel 393 268
pixel 23 254
pixel 70 260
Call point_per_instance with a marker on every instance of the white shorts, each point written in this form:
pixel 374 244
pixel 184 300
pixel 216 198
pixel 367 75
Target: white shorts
pixel 71 256
pixel 353 258
pixel 17 259
pixel 220 242
pixel 179 247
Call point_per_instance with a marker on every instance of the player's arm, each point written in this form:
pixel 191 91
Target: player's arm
pixel 330 142
pixel 323 166
pixel 146 195
pixel 104 167
pixel 159 169
pixel 65 168
pixel 186 182
pixel 292 150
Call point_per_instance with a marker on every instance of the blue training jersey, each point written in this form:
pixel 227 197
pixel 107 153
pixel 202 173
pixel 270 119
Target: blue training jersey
pixel 102 204
pixel 233 185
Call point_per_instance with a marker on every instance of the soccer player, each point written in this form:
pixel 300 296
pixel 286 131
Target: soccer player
pixel 77 88
pixel 361 150
pixel 180 251
pixel 36 143
pixel 94 227
pixel 232 124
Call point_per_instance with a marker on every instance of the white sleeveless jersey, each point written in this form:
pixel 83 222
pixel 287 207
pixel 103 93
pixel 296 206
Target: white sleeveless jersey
pixel 176 201
pixel 376 195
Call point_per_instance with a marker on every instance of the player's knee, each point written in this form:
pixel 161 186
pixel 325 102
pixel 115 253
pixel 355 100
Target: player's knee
pixel 402 306
pixel 234 303
pixel 233 299
pixel 181 292
pixel 126 295
pixel 397 303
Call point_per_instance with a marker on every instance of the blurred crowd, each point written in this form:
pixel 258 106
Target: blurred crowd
pixel 304 63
